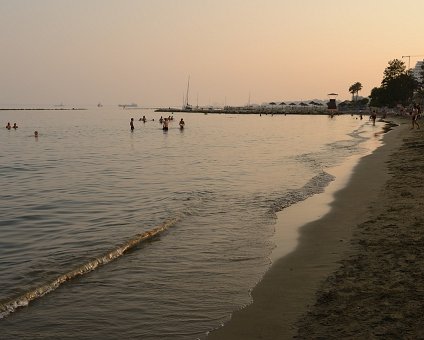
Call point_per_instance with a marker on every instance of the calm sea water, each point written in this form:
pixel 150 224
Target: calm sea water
pixel 87 185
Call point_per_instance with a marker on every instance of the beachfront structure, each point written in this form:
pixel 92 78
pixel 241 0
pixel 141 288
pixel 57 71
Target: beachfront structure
pixel 332 105
pixel 417 70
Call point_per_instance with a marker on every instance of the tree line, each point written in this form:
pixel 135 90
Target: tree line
pixel 398 87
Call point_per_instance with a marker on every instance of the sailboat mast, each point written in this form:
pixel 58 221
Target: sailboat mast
pixel 188 87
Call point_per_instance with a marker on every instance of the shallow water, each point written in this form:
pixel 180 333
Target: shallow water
pixel 87 185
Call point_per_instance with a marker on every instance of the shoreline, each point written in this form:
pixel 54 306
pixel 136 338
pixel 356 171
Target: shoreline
pixel 376 291
pixel 289 288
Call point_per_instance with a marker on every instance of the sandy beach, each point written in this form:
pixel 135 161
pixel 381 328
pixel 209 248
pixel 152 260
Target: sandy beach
pixel 357 271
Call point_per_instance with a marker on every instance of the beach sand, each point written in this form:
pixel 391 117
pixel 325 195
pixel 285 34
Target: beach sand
pixel 357 272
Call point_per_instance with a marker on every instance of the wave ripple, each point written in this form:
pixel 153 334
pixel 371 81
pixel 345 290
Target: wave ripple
pixel 10 305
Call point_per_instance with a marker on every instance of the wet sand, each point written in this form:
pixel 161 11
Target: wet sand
pixel 357 271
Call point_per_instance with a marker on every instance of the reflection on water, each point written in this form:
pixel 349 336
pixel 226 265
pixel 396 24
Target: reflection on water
pixel 88 184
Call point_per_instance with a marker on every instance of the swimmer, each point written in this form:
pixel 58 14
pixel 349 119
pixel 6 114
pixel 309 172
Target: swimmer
pixel 15 126
pixel 35 134
pixel 8 126
pixel 165 124
pixel 132 124
pixel 182 123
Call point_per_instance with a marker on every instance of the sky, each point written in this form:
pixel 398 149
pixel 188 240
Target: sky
pixel 82 52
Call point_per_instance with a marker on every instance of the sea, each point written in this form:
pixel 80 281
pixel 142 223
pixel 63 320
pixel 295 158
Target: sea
pixel 150 234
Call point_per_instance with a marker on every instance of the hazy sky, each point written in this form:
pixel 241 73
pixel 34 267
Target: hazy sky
pixel 82 52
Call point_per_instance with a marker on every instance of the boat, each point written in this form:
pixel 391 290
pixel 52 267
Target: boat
pixel 186 105
pixel 128 106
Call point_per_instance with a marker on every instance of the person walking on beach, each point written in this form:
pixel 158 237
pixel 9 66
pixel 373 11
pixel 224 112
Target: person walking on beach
pixel 415 116
pixel 132 124
pixel 373 117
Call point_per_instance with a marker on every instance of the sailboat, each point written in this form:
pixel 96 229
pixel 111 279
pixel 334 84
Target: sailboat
pixel 186 105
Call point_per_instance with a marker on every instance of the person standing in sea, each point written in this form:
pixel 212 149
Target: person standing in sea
pixel 165 124
pixel 132 124
pixel 182 123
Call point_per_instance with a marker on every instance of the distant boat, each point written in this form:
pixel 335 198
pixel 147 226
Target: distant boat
pixel 186 105
pixel 124 106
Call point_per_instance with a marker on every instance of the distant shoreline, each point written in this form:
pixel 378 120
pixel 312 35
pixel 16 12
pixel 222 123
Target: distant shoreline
pixel 43 109
pixel 265 111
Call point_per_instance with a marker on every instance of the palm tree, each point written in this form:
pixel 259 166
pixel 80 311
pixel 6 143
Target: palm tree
pixel 355 88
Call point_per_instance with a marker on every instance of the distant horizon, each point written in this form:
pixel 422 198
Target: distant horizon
pixel 142 106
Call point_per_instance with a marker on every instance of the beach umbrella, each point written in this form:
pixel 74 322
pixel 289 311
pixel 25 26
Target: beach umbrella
pixel 292 104
pixel 312 103
pixel 272 105
pixel 303 104
pixel 282 103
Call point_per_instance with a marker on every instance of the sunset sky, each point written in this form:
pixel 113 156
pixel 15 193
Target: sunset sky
pixel 81 52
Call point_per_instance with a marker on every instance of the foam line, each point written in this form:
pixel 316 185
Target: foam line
pixel 10 305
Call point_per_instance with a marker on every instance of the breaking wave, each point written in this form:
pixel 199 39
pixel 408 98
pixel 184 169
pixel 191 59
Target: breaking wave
pixel 10 305
pixel 314 186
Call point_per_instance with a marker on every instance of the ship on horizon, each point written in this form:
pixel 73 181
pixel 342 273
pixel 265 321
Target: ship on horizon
pixel 125 106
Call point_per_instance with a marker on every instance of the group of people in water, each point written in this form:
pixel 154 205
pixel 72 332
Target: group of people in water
pixel 163 121
pixel 15 126
pixel 8 126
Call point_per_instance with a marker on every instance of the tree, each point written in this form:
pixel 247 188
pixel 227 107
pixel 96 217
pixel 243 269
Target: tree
pixel 378 97
pixel 395 69
pixel 397 86
pixel 355 88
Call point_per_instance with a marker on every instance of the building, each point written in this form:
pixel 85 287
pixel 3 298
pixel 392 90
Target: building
pixel 417 70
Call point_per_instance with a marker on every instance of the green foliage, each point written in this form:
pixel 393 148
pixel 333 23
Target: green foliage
pixel 397 86
pixel 360 104
pixel 395 69
pixel 363 102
